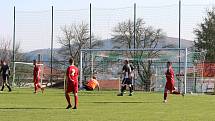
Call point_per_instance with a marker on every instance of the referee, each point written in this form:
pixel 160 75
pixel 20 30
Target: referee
pixel 5 70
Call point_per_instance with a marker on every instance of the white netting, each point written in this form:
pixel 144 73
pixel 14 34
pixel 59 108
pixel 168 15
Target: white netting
pixel 23 74
pixel 107 64
pixel 33 29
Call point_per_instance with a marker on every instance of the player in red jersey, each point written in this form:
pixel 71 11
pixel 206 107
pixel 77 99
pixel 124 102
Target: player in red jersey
pixel 37 77
pixel 72 83
pixel 169 81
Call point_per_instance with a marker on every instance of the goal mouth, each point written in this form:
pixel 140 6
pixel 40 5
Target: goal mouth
pixel 22 74
pixel 108 63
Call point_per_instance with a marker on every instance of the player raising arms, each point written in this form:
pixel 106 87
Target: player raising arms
pixel 37 77
pixel 169 81
pixel 72 83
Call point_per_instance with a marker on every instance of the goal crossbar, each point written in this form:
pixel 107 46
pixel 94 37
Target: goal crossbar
pixel 27 63
pixel 144 49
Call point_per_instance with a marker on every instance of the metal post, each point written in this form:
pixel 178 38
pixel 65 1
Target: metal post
pixel 52 34
pixel 134 25
pixel 92 68
pixel 39 58
pixel 202 74
pixel 185 72
pixel 90 28
pixel 194 76
pixel 81 69
pixel 91 40
pixel 156 78
pixel 134 40
pixel 179 41
pixel 14 42
pixel 64 77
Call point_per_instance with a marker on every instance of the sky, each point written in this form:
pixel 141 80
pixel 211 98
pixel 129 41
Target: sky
pixel 33 18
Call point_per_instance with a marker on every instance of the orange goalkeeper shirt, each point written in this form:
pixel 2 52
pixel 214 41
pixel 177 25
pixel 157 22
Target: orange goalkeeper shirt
pixel 92 83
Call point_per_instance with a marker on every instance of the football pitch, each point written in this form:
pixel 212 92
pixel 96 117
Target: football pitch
pixel 23 105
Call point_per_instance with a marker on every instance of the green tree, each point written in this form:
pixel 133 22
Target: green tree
pixel 205 36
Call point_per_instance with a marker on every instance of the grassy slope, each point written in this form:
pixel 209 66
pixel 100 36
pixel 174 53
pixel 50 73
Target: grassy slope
pixel 23 105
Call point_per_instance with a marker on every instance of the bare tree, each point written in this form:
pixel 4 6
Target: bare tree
pixel 146 37
pixel 6 52
pixel 74 38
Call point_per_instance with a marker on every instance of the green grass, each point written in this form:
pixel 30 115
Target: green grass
pixel 23 105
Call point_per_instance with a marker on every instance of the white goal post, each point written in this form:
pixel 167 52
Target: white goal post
pixel 30 64
pixel 90 51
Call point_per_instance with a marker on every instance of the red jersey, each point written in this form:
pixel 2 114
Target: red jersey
pixel 36 72
pixel 72 74
pixel 170 79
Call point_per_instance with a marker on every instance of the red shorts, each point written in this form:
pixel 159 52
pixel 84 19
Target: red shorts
pixel 36 80
pixel 72 87
pixel 170 87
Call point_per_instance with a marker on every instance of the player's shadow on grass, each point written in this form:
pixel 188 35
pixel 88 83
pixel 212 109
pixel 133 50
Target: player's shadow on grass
pixel 126 102
pixel 28 108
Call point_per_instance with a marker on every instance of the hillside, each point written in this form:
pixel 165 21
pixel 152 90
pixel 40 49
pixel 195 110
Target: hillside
pixel 108 44
pixel 163 42
pixel 174 41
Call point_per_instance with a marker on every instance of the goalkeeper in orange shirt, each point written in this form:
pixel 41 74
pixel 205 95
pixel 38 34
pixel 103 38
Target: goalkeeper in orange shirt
pixel 91 84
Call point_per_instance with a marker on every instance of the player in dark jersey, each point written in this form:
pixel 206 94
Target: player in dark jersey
pixel 5 70
pixel 72 84
pixel 127 79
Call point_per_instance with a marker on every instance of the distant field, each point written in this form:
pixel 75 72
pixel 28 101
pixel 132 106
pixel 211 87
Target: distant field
pixel 23 105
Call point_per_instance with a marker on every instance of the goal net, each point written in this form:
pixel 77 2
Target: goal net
pixel 23 74
pixel 200 76
pixel 149 67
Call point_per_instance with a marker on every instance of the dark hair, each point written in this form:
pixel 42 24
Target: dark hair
pixel 169 63
pixel 126 61
pixel 71 60
pixel 94 77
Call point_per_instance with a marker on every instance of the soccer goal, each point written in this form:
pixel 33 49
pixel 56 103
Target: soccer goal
pixel 149 67
pixel 23 74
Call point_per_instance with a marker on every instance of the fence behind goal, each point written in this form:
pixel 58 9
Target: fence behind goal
pixel 149 67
